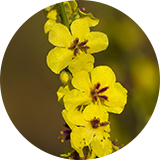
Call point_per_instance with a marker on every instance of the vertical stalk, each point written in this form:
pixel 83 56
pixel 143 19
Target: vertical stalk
pixel 64 16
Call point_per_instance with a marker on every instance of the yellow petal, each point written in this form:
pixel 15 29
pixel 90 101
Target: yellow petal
pixel 77 141
pixel 60 35
pixel 101 146
pixel 91 155
pixel 79 63
pixel 62 91
pixel 117 96
pixel 76 117
pixel 97 111
pixel 52 15
pixel 75 98
pixel 72 5
pixel 104 75
pixel 80 29
pixel 82 81
pixel 59 58
pixel 48 25
pixel 79 150
pixel 82 136
pixel 66 118
pixel 97 41
pixel 92 21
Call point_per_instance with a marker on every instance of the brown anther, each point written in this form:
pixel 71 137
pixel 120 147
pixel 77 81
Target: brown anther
pixel 97 93
pixel 76 46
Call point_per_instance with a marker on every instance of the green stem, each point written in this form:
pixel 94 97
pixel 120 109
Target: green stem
pixel 64 16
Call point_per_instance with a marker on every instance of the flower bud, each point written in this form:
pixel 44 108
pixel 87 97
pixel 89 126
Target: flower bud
pixel 65 77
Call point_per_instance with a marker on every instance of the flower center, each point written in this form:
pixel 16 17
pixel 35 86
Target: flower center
pixel 77 46
pixel 96 123
pixel 96 92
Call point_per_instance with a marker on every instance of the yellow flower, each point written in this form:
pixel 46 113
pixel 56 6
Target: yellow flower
pixel 91 128
pixel 75 44
pixel 54 14
pixel 98 86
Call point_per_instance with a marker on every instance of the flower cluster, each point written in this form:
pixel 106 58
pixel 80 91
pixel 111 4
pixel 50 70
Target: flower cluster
pixel 88 93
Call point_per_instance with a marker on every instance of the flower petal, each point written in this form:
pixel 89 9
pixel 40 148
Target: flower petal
pixel 82 81
pixel 97 111
pixel 117 96
pixel 65 116
pixel 76 118
pixel 92 21
pixel 91 154
pixel 48 25
pixel 97 41
pixel 60 35
pixel 75 98
pixel 80 28
pixel 79 150
pixel 52 14
pixel 62 91
pixel 72 5
pixel 78 139
pixel 79 63
pixel 101 146
pixel 82 136
pixel 104 75
pixel 105 129
pixel 59 58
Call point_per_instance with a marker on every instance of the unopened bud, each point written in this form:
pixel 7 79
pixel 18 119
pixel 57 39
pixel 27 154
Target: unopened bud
pixel 65 77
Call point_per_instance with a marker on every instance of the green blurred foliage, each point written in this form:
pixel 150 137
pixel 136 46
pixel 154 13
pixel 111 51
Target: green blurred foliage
pixel 29 86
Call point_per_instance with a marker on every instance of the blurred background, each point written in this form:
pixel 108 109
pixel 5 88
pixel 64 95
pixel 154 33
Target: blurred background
pixel 29 87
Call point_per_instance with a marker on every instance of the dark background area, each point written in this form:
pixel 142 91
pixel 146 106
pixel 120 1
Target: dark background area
pixel 29 87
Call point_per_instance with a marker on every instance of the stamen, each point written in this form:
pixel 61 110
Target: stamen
pixel 73 46
pixel 120 146
pixel 76 51
pixel 115 141
pixel 85 47
pixel 103 97
pixel 103 89
pixel 76 41
pixel 104 123
pixel 67 137
pixel 77 46
pixel 82 9
pixel 95 122
pixel 65 132
pixel 83 43
pixel 95 98
pixel 95 93
pixel 97 86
